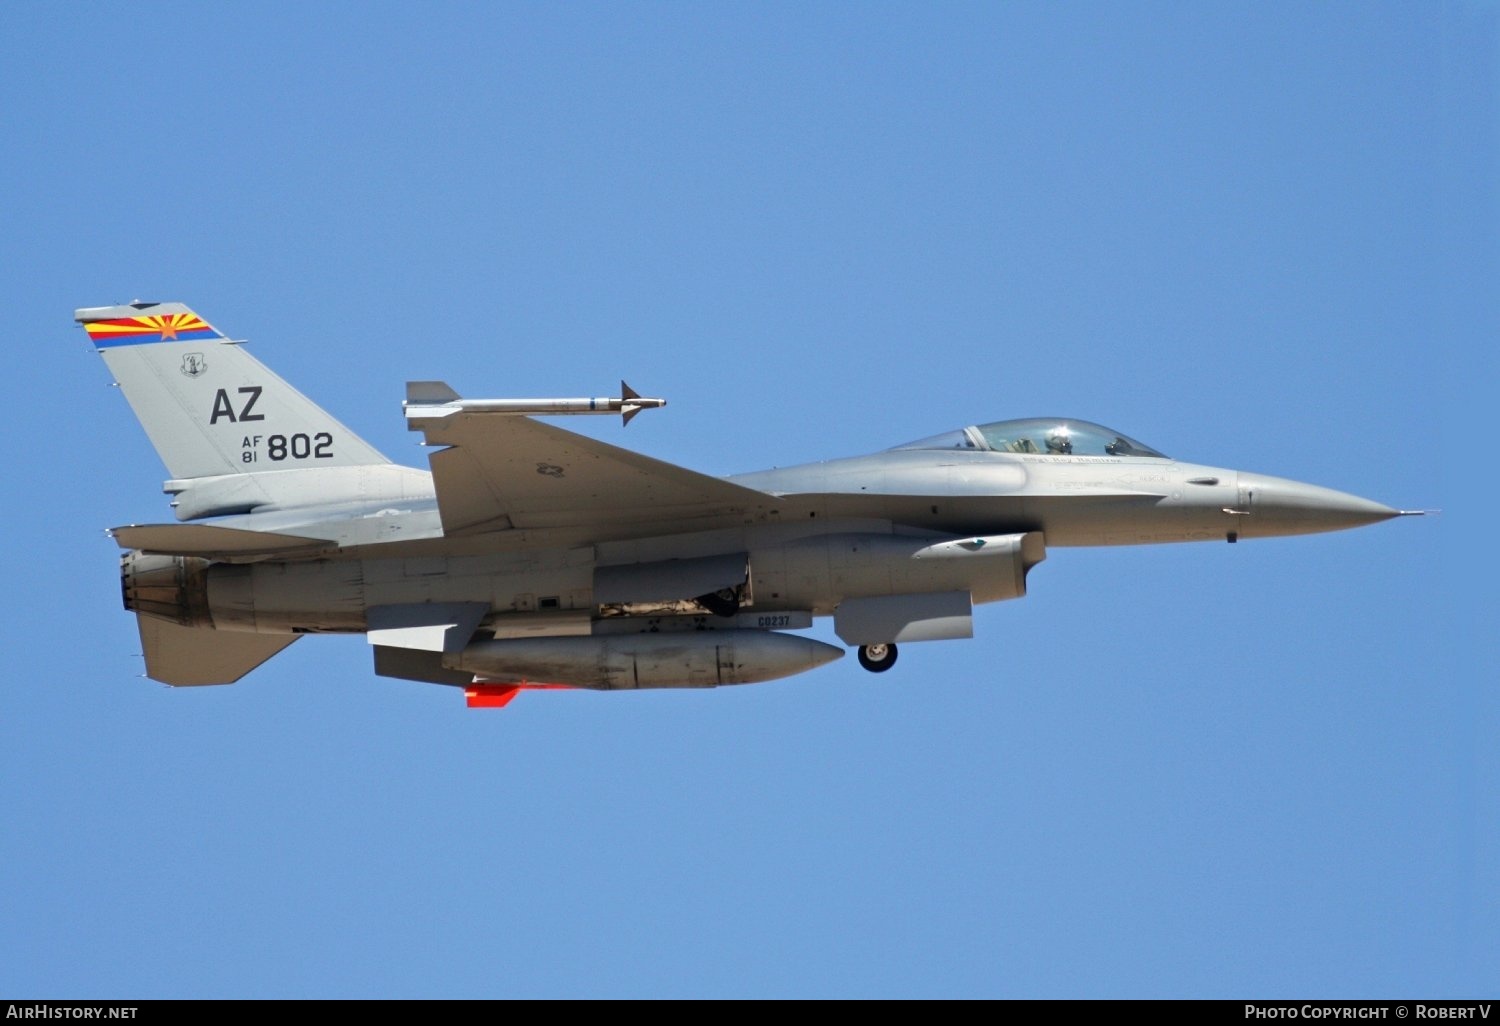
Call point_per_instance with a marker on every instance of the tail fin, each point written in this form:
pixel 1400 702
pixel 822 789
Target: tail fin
pixel 209 407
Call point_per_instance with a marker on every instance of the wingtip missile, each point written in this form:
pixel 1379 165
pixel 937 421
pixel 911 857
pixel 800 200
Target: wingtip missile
pixel 632 402
pixel 426 400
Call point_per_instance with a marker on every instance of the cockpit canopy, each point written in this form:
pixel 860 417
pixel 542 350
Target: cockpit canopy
pixel 1042 436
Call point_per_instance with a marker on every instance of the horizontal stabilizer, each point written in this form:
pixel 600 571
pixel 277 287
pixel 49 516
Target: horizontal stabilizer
pixel 189 656
pixel 208 542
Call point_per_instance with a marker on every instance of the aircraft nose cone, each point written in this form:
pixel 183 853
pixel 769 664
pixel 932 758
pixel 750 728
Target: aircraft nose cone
pixel 1280 506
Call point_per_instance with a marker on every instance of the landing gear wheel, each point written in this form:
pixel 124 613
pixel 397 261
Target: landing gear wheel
pixel 877 658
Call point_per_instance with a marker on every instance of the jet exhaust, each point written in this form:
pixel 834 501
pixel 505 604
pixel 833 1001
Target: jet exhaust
pixel 171 588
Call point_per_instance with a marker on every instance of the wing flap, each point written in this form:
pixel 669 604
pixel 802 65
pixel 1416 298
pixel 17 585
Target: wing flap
pixel 513 472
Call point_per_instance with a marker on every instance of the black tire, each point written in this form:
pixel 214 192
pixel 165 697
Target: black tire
pixel 877 658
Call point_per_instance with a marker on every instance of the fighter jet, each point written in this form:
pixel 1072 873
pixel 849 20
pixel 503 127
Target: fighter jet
pixel 533 557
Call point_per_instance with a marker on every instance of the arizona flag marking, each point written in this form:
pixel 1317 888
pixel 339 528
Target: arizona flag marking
pixel 173 327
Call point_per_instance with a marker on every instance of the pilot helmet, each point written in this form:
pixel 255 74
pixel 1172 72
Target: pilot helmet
pixel 1060 439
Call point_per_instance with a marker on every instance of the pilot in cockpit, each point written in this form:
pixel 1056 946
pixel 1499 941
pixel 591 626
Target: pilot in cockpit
pixel 1060 441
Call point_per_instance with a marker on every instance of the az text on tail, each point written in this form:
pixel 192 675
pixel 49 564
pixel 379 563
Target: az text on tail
pixel 209 407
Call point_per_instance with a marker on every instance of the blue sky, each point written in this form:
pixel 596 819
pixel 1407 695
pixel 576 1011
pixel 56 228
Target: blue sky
pixel 1259 236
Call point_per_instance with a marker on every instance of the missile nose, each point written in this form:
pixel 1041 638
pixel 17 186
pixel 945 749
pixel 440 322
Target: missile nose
pixel 1280 506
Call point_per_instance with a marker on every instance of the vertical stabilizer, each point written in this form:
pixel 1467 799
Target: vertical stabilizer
pixel 208 406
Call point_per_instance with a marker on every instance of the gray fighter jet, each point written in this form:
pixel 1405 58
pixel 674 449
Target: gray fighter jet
pixel 533 557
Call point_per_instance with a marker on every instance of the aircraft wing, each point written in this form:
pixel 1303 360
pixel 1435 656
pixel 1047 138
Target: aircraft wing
pixel 501 472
